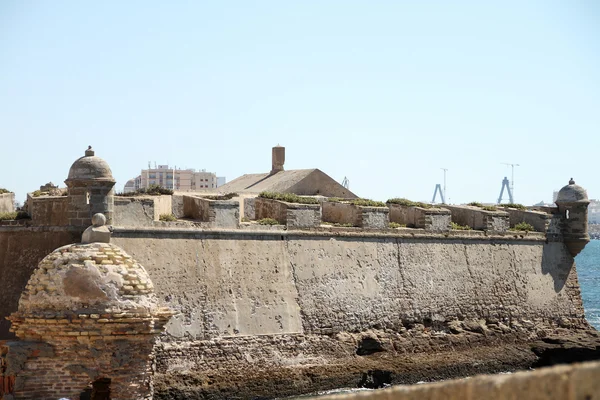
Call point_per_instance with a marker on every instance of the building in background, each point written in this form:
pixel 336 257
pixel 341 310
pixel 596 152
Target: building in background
pixel 173 178
pixel 221 181
pixel 594 212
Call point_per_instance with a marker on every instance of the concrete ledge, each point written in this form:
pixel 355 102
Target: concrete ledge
pixel 479 219
pixel 568 382
pixel 266 232
pixel 434 219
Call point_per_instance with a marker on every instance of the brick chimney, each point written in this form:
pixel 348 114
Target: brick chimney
pixel 278 159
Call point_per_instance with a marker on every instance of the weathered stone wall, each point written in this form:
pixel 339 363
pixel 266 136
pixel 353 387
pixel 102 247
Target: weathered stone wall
pixel 21 249
pixel 302 216
pixel 267 208
pixel 7 202
pixel 134 211
pixel 195 208
pixel 539 220
pixel 434 219
pixel 569 382
pixel 249 210
pixel 477 218
pixel 374 217
pixel 177 206
pixel 351 283
pixel 281 299
pixel 360 216
pixel 340 213
pixel 48 210
pixel 217 213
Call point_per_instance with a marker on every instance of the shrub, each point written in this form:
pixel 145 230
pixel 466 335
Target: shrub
pixel 458 227
pixel 408 203
pixel 2 191
pixel 268 221
pixel 288 197
pixel 167 217
pixel 8 216
pixel 514 205
pixel 245 219
pixel 38 193
pixel 22 215
pixel 490 208
pixel 523 226
pixel 366 203
pixel 475 204
pixel 152 190
pixel 395 225
pixel 227 196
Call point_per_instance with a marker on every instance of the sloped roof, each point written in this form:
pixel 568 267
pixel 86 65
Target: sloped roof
pixel 280 182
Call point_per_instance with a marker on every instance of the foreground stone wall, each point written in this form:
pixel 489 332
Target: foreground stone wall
pixel 573 382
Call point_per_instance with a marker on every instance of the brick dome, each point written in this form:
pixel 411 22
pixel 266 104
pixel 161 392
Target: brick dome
pixel 571 193
pixel 90 167
pixel 95 278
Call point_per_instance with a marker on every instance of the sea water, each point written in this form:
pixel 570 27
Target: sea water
pixel 588 272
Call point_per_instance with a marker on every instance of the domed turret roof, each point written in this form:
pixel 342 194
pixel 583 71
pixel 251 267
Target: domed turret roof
pixel 94 278
pixel 571 193
pixel 90 167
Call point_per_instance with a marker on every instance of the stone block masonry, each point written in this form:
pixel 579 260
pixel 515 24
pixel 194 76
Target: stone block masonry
pixel 294 216
pixel 7 202
pixel 477 218
pixel 359 216
pixel 539 220
pixel 217 213
pixel 48 210
pixel 431 219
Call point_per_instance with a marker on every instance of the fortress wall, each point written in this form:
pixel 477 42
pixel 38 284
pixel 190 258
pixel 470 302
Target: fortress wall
pixel 7 202
pixel 249 283
pixel 49 210
pixel 21 249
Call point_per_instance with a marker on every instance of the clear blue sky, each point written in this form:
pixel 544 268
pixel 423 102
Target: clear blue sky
pixel 383 92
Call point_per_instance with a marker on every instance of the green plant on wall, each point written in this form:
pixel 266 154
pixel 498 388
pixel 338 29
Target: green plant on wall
pixel 288 198
pixel 167 217
pixel 268 221
pixel 408 203
pixel 524 227
pixel 459 227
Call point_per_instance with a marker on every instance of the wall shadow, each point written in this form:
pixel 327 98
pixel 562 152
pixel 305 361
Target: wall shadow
pixel 557 262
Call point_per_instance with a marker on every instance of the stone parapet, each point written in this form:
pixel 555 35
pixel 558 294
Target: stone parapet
pixel 431 219
pixel 293 215
pixel 479 219
pixel 219 213
pixel 538 219
pixel 48 210
pixel 7 202
pixel 360 216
